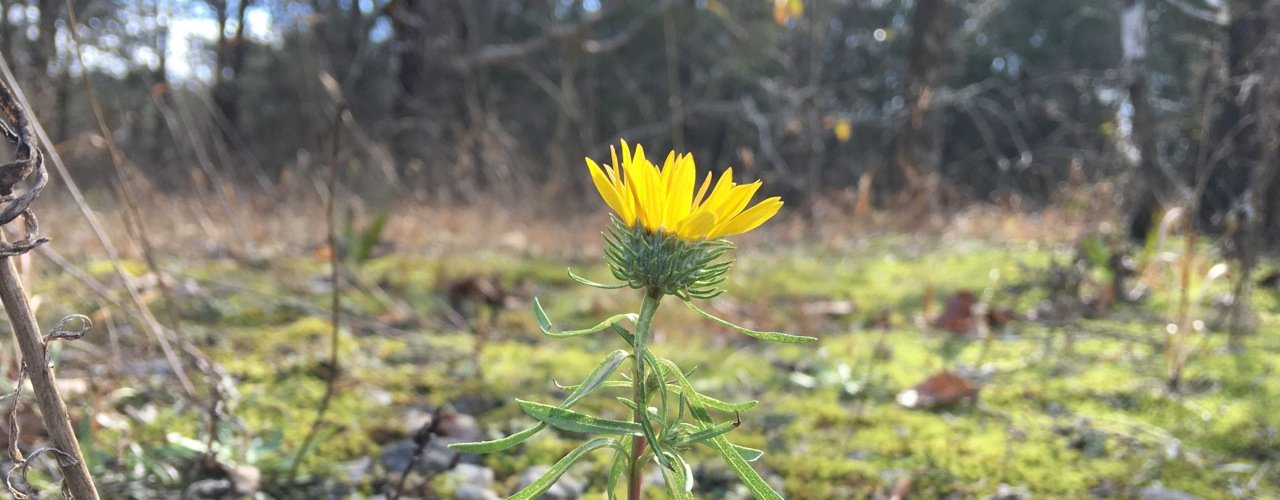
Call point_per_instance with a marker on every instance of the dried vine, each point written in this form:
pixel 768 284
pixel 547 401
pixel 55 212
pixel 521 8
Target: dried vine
pixel 28 166
pixel 28 162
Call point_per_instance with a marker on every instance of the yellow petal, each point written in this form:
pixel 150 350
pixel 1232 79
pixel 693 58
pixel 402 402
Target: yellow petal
pixel 723 187
pixel 737 200
pixel 696 226
pixel 702 191
pixel 606 188
pixel 750 219
pixel 645 180
pixel 680 190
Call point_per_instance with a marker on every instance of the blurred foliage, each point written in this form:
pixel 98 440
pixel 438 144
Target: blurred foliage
pixel 496 95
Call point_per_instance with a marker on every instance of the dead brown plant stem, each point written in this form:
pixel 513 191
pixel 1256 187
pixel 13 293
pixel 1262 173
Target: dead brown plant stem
pixel 335 303
pixel 421 439
pixel 149 321
pixel 1176 355
pixel 873 360
pixel 57 423
pixel 133 216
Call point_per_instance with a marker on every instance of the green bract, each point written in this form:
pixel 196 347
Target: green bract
pixel 675 266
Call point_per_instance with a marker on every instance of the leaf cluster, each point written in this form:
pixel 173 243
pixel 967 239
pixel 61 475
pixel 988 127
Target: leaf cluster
pixel 680 420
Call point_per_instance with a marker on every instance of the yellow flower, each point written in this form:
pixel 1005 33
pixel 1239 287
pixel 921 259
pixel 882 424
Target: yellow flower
pixel 843 130
pixel 664 201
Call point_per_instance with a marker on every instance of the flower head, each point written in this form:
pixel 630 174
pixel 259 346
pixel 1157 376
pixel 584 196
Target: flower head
pixel 665 201
pixel 667 236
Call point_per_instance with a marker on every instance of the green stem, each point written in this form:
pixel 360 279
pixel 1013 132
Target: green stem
pixel 650 306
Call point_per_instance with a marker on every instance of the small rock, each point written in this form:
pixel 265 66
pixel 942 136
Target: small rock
pixel 1158 492
pixel 246 478
pixel 397 456
pixel 473 492
pixel 210 488
pixel 415 419
pixel 437 457
pixel 378 397
pixel 567 488
pixel 473 482
pixel 477 475
pixel 458 426
pixel 356 471
pixel 1006 492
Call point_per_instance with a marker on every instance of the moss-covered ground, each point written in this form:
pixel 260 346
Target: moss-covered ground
pixel 1066 408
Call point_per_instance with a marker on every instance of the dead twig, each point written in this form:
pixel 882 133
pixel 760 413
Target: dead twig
pixel 421 439
pixel 29 165
pixel 336 296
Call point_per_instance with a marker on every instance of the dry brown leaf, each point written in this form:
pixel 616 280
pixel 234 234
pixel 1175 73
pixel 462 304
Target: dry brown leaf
pixel 940 390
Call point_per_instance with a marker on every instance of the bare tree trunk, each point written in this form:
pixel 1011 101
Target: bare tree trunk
pixel 61 103
pixel 1266 200
pixel 428 33
pixel 1233 147
pixel 408 19
pixel 1257 206
pixel 917 147
pixel 42 55
pixel 154 124
pixel 229 64
pixel 1150 184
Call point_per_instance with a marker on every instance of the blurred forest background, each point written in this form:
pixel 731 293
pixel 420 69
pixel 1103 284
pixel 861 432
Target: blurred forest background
pixel 932 101
pixel 1019 172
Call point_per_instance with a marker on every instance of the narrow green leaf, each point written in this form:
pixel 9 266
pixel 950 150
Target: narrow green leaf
pixel 544 323
pixel 597 378
pixel 627 402
pixel 660 379
pixel 783 338
pixel 647 428
pixel 593 284
pixel 749 476
pixel 627 336
pixel 726 407
pixel 544 483
pixel 678 479
pixel 620 462
pixel 748 454
pixel 706 400
pixel 369 239
pixel 573 421
pixel 706 434
pixel 496 445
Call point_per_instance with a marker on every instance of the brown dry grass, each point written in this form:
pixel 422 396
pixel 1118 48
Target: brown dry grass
pixel 244 224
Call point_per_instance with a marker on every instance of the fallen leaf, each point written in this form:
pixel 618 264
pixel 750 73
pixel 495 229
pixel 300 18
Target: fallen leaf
pixel 940 390
pixel 957 317
pixel 999 318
